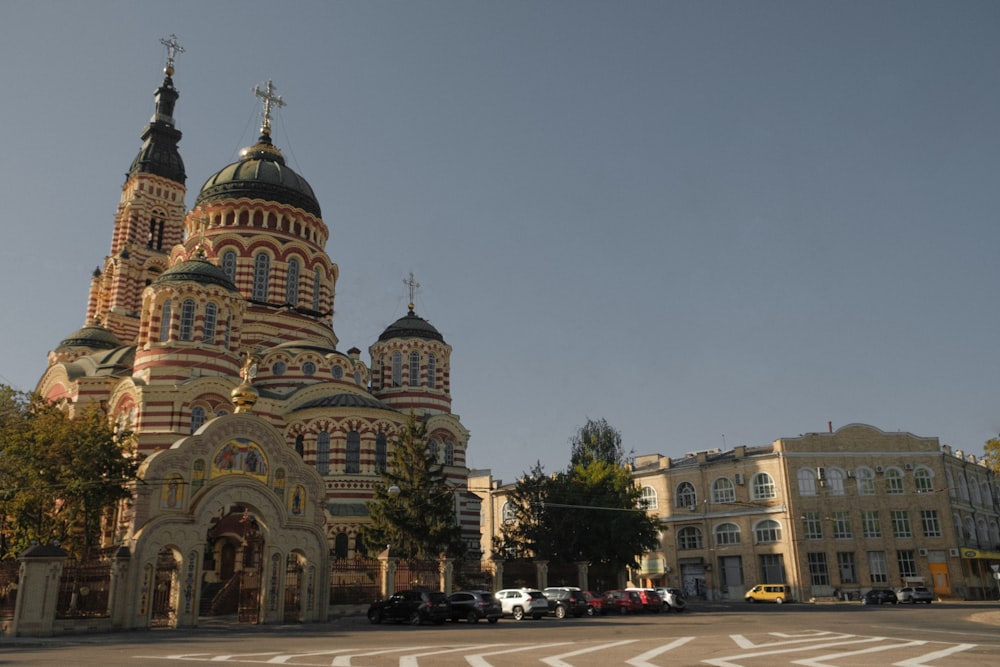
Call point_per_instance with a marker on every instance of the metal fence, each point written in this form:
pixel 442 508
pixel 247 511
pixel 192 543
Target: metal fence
pixel 9 580
pixel 418 574
pixel 473 576
pixel 83 589
pixel 355 580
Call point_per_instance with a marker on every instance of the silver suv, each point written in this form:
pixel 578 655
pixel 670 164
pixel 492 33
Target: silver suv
pixel 521 602
pixel 673 599
pixel 914 594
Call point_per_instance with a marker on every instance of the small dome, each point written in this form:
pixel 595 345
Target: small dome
pixel 344 401
pixel 200 271
pixel 260 173
pixel 411 326
pixel 92 337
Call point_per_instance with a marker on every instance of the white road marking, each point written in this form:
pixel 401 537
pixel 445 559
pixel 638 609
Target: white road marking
pixel 557 660
pixel 345 660
pixel 477 660
pixel 724 661
pixel 798 638
pixel 818 661
pixel 642 660
pixel 924 659
pixel 411 660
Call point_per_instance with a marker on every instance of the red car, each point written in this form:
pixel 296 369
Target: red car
pixel 623 602
pixel 595 604
pixel 651 600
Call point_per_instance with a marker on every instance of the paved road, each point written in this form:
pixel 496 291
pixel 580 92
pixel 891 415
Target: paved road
pixel 941 635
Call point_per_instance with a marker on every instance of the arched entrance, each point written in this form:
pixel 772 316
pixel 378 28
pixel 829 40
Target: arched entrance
pixel 231 576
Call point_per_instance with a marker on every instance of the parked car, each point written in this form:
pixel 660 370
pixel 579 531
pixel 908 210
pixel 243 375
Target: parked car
pixel 521 602
pixel 651 600
pixel 673 599
pixel 411 606
pixel 879 596
pixel 777 593
pixel 914 594
pixel 474 606
pixel 566 602
pixel 595 603
pixel 623 602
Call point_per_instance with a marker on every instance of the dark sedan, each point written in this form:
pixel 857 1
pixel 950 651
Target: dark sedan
pixel 879 596
pixel 474 605
pixel 411 606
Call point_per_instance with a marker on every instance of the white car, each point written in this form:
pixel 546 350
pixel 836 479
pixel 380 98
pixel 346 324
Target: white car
pixel 914 594
pixel 673 599
pixel 521 602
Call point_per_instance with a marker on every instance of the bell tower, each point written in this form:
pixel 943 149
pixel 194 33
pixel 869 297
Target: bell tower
pixel 149 220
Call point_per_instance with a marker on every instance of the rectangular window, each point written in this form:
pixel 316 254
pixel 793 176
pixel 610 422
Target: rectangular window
pixel 842 526
pixel 872 525
pixel 772 568
pixel 907 564
pixel 901 524
pixel 353 461
pixel 876 567
pixel 845 563
pixel 931 524
pixel 812 527
pixel 819 574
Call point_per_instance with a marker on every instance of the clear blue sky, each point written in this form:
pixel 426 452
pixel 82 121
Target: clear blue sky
pixel 711 223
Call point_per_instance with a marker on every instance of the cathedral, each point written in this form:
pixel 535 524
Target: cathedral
pixel 209 333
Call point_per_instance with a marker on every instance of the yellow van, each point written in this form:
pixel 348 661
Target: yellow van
pixel 777 593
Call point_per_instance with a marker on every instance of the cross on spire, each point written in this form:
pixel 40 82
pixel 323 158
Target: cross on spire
pixel 413 285
pixel 270 98
pixel 173 48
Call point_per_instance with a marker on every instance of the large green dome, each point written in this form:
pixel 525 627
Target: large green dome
pixel 197 270
pixel 260 173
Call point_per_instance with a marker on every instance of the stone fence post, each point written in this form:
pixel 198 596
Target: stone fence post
pixel 38 592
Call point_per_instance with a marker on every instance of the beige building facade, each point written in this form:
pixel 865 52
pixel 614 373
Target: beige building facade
pixel 830 514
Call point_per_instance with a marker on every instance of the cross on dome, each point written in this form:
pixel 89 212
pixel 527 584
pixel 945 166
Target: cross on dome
pixel 270 99
pixel 173 48
pixel 413 285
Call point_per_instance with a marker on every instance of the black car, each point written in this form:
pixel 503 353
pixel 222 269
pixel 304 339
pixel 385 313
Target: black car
pixel 473 606
pixel 411 606
pixel 879 596
pixel 566 601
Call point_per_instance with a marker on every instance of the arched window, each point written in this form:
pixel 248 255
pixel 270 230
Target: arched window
pixel 767 531
pixel 686 496
pixel 727 534
pixel 807 481
pixel 300 445
pixel 974 492
pixel 923 479
pixel 762 486
pixel 432 449
pixel 689 537
pixel 431 371
pixel 323 453
pixel 187 319
pixel 723 491
pixel 340 546
pixel 381 456
pixel 508 513
pixel 449 453
pixel 261 269
pixel 229 265
pixel 397 369
pixel 165 316
pixel 866 481
pixel 648 501
pixel 211 317
pixel 316 286
pixel 835 481
pixel 229 329
pixel 353 463
pixel 197 418
pixel 893 481
pixel 414 369
pixel 292 284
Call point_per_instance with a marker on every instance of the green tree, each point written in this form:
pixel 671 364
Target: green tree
pixel 413 509
pixel 596 441
pixel 589 512
pixel 992 449
pixel 59 477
